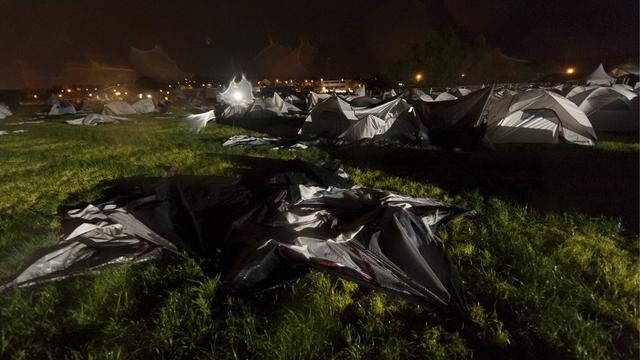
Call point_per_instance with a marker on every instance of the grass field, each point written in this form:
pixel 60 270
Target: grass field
pixel 550 268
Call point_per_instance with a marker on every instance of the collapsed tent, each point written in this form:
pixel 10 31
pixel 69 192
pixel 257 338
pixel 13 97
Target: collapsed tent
pixel 118 108
pixel 417 94
pixel 144 106
pixel 538 116
pixel 599 77
pixel 609 109
pixel 4 111
pixel 95 119
pixel 62 108
pixel 455 123
pixel 460 92
pixel 270 227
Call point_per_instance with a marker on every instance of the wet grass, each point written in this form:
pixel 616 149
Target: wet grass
pixel 550 268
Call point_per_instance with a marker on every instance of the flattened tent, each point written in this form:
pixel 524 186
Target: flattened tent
pixel 315 98
pixel 62 108
pixel 284 106
pixel 95 119
pixel 599 77
pixel 118 108
pixel 538 116
pixel 460 92
pixel 199 121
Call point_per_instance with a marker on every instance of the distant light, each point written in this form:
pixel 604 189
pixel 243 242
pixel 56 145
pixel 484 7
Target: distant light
pixel 400 84
pixel 237 95
pixel 68 90
pixel 570 71
pixel 462 75
pixel 90 94
pixel 161 90
pixel 59 95
pixel 35 96
pixel 321 79
pixel 169 85
pixel 166 98
pixel 148 96
pixel 168 93
pixel 341 79
pixel 114 90
pixel 139 96
pixel 418 77
pixel 117 93
pixel 126 93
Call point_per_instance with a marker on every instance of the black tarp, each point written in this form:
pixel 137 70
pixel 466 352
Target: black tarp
pixel 455 123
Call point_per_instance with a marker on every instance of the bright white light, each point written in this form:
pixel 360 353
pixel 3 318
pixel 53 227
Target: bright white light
pixel 148 96
pixel 139 96
pixel 237 96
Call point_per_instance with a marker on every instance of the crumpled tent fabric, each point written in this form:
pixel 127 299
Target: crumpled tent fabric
pixel 538 116
pixel 314 98
pixel 118 108
pixel 62 108
pixel 95 119
pixel 270 227
pixel 460 92
pixel 4 111
pixel 455 123
pixel 144 106
pixel 251 140
pixel 201 120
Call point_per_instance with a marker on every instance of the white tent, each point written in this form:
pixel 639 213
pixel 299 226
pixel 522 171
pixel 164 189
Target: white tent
pixel 625 90
pixel 4 111
pixel 144 106
pixel 538 116
pixel 118 108
pixel 385 111
pixel 444 96
pixel 417 94
pixel 62 108
pixel 609 109
pixel 263 108
pixel 95 119
pixel 403 127
pixel 238 93
pixel 366 128
pixel 330 118
pixel 599 77
pixel 361 91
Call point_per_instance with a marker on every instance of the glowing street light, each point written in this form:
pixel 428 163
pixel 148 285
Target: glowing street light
pixel 570 71
pixel 418 77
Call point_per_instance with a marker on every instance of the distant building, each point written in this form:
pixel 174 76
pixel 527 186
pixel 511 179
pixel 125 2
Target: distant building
pixel 339 86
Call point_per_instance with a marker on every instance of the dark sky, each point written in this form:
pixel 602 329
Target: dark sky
pixel 355 36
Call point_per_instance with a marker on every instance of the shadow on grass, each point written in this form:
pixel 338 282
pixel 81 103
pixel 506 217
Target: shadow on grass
pixel 557 178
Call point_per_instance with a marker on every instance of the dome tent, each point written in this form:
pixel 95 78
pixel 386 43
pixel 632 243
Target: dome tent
pixel 609 109
pixel 538 116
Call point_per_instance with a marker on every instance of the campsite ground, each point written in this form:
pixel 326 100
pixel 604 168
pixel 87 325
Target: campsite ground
pixel 550 267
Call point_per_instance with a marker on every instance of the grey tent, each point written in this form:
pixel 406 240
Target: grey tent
pixel 62 108
pixel 144 106
pixel 538 116
pixel 4 111
pixel 609 109
pixel 329 119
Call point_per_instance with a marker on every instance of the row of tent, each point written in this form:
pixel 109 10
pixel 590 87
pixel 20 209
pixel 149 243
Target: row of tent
pixel 528 115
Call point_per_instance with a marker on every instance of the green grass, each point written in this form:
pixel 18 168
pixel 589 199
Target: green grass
pixel 548 273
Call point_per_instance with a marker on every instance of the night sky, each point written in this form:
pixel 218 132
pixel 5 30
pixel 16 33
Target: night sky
pixel 356 37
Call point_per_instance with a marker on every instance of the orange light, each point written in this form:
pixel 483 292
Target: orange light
pixel 418 77
pixel 570 71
